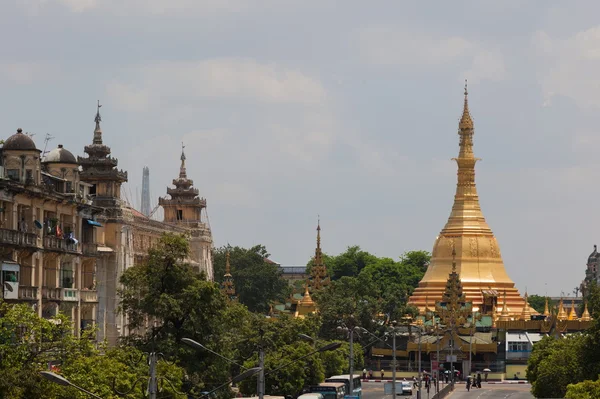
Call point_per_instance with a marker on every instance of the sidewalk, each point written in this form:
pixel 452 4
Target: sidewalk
pixel 457 382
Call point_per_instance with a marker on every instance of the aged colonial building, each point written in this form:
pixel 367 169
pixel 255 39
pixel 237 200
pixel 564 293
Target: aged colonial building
pixel 47 236
pixel 66 235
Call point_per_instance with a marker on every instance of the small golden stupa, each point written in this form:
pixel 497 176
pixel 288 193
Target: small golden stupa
pixel 478 258
pixel 562 314
pixel 586 314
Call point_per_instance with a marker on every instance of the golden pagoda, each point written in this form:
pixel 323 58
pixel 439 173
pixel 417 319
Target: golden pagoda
pixel 227 286
pixel 478 257
pixel 562 314
pixel 546 310
pixel 318 274
pixel 526 312
pixel 572 312
pixel 586 314
pixel 306 305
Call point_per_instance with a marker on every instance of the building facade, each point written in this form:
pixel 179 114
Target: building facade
pixel 67 235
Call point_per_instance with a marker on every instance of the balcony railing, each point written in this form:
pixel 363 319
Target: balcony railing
pixel 70 294
pixel 89 249
pixel 16 237
pixel 51 293
pixel 89 295
pixel 518 355
pixel 28 293
pixel 59 244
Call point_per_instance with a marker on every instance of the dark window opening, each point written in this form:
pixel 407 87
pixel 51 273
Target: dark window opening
pixel 93 190
pixel 12 174
pixel 179 214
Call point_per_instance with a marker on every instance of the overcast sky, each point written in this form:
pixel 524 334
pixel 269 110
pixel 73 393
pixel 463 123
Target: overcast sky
pixel 347 109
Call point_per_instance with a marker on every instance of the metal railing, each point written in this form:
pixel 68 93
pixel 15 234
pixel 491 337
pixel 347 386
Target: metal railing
pixel 59 244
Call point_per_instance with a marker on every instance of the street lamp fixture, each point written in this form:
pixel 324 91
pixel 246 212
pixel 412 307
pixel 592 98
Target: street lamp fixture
pixel 236 379
pixel 60 380
pixel 306 337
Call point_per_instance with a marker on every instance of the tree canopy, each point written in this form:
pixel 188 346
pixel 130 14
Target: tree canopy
pixel 258 281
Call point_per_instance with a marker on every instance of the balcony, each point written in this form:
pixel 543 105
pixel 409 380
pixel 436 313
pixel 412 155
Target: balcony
pixel 19 238
pixel 52 293
pixel 89 249
pixel 89 295
pixel 59 244
pixel 517 355
pixel 69 294
pixel 28 293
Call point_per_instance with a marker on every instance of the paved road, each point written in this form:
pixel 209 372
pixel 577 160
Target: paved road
pixel 489 391
pixel 374 390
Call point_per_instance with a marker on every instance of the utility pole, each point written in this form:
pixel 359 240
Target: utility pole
pixel 351 362
pixel 437 371
pixel 394 364
pixel 261 375
pixel 152 383
pixel 419 391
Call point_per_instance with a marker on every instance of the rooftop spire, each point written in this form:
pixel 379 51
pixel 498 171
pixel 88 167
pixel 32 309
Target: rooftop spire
pixel 505 314
pixel 182 171
pixel 319 270
pixel 227 265
pixel 562 314
pixel 546 309
pixel 465 121
pixel 586 314
pixel 98 130
pixel 572 312
pixel 227 287
pixel 526 313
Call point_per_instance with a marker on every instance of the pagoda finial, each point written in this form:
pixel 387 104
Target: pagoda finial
pixel 227 265
pixel 465 121
pixel 453 258
pixel 546 308
pixel 504 315
pixel 98 130
pixel 586 314
pixel 306 298
pixel 319 270
pixel 526 313
pixel 572 312
pixel 182 171
pixel 562 314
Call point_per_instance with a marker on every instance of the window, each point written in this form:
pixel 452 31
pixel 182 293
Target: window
pixel 29 175
pixel 12 174
pixel 179 214
pixel 66 276
pixel 69 187
pixel 518 346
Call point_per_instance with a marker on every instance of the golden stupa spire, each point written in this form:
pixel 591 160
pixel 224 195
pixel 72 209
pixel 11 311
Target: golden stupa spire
pixel 526 313
pixel 586 314
pixel 318 272
pixel 546 309
pixel 467 234
pixel 572 312
pixel 562 314
pixel 504 315
pixel 306 298
pixel 227 287
pixel 227 265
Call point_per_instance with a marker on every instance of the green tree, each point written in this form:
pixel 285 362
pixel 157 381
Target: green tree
pixel 417 259
pixel 555 363
pixel 584 390
pixel 181 303
pixel 538 302
pixel 258 281
pixel 351 262
pixel 29 343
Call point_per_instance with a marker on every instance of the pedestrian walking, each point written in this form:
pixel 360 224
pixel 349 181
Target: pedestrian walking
pixel 382 373
pixel 364 374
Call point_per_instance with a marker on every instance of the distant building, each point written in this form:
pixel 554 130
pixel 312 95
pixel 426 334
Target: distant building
pixel 592 272
pixel 66 236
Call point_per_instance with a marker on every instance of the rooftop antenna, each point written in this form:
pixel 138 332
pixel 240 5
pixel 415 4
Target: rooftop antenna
pixel 46 140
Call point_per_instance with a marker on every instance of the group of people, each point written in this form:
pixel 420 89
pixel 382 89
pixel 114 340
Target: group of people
pixel 370 374
pixel 474 381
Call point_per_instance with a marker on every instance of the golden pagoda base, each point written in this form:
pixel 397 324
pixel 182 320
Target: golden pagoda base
pixel 428 293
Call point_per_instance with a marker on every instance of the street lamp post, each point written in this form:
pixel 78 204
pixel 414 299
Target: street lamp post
pixel 420 368
pixel 60 380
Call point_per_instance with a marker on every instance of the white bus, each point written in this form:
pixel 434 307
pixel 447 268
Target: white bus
pixel 356 384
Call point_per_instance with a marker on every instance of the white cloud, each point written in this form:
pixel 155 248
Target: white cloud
pixel 28 73
pixel 216 78
pixel 569 66
pixel 486 65
pixel 391 46
pixel 385 45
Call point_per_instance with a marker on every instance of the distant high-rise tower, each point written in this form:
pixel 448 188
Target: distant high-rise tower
pixel 146 192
